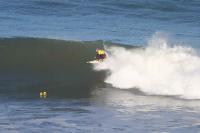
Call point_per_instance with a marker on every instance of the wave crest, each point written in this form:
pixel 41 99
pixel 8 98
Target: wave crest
pixel 159 69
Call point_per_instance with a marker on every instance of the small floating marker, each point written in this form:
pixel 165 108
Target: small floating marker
pixel 43 94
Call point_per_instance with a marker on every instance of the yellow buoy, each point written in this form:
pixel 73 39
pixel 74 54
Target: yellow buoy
pixel 43 94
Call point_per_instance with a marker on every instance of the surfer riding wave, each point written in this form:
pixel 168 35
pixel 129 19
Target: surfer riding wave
pixel 100 54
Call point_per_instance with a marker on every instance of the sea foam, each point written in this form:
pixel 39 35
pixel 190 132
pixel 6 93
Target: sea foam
pixel 158 69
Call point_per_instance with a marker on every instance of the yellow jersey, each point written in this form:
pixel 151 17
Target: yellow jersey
pixel 100 52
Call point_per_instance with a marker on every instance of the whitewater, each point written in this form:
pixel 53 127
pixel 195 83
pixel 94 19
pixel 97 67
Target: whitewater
pixel 161 68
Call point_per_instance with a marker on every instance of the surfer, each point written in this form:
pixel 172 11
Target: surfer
pixel 100 54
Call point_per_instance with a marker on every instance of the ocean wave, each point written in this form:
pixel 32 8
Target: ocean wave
pixel 31 65
pixel 159 69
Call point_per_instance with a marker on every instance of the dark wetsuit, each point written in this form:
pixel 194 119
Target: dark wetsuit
pixel 100 57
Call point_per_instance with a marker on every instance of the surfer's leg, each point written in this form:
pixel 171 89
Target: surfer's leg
pixel 97 57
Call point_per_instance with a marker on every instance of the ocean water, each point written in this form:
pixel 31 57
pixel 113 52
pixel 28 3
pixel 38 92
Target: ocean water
pixel 149 83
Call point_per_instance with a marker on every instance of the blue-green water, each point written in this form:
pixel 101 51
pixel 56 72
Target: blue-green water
pixel 78 98
pixel 127 21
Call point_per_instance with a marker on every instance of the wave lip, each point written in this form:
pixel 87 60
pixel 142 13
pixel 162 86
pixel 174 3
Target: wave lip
pixel 157 70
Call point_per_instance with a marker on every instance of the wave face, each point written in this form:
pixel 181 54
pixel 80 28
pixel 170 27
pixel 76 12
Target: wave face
pixel 30 65
pixel 159 69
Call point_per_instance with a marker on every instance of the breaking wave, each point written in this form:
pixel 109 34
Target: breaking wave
pixel 158 69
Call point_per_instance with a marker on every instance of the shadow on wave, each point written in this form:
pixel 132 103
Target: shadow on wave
pixel 31 65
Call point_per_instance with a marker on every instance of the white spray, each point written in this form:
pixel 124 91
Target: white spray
pixel 158 69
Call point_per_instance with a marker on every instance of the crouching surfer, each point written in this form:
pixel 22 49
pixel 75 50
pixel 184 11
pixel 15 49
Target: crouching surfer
pixel 100 54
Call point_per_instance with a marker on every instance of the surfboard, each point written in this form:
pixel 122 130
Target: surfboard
pixel 93 62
